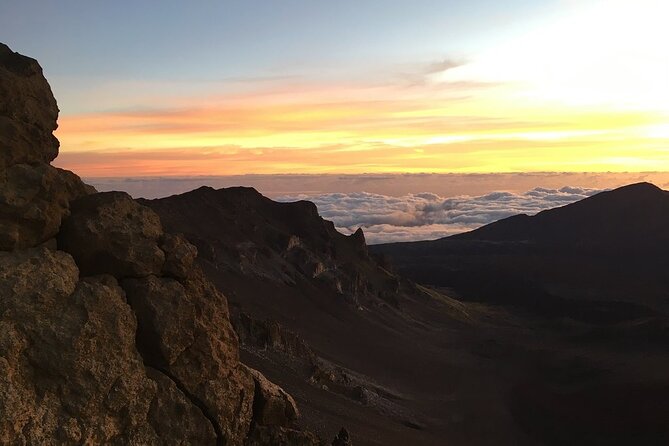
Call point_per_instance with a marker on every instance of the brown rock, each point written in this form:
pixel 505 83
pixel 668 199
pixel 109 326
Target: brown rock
pixel 166 318
pixel 110 233
pixel 184 331
pixel 174 417
pixel 33 201
pixel 28 112
pixel 179 256
pixel 272 406
pixel 69 369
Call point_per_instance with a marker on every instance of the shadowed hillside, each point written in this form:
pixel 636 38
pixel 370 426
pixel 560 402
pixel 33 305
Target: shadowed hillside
pixel 400 363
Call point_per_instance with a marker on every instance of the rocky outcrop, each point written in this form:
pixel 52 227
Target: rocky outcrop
pixel 272 405
pixel 70 370
pixel 34 196
pixel 109 334
pixel 285 243
pixel 110 233
pixel 28 112
pixel 267 334
pixel 33 201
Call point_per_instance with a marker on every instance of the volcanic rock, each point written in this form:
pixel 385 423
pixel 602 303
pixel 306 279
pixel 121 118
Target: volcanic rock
pixel 110 233
pixel 69 370
pixel 179 256
pixel 33 201
pixel 272 405
pixel 28 112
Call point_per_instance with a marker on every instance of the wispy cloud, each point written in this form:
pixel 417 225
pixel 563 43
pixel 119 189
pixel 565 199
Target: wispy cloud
pixel 443 65
pixel 292 125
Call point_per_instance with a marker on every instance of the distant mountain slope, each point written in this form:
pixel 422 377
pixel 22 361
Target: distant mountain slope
pixel 357 345
pixel 239 230
pixel 399 363
pixel 634 215
pixel 610 248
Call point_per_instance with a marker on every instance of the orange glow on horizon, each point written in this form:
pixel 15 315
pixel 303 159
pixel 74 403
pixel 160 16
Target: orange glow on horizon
pixel 561 98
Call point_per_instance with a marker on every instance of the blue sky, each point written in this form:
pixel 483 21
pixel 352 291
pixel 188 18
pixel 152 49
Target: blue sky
pixel 82 43
pixel 152 88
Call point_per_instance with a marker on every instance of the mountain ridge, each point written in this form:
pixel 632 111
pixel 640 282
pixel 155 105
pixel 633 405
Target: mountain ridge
pixel 636 214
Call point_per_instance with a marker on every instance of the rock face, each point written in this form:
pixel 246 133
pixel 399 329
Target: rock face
pixel 109 334
pixel 285 243
pixel 70 369
pixel 28 112
pixel 272 405
pixel 110 233
pixel 33 201
pixel 34 196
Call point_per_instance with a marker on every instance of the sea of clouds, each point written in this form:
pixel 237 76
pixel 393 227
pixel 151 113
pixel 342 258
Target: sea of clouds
pixel 427 216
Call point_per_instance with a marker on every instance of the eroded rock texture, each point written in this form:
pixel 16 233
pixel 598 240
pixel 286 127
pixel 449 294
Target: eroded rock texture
pixel 28 112
pixel 108 332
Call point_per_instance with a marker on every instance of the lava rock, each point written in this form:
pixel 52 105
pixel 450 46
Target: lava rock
pixel 110 233
pixel 185 332
pixel 28 112
pixel 179 256
pixel 69 369
pixel 272 406
pixel 33 201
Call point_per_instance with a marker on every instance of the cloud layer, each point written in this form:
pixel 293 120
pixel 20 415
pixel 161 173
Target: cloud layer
pixel 426 216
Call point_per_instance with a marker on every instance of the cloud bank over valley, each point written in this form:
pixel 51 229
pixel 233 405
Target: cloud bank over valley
pixel 426 216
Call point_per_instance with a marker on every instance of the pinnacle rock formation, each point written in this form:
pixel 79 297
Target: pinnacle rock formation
pixel 109 332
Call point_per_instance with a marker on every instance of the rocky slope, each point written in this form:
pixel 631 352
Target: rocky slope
pixel 353 342
pixel 109 332
pixel 398 363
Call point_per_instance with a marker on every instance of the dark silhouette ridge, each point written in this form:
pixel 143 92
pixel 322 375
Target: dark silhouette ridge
pixel 327 308
pixel 633 217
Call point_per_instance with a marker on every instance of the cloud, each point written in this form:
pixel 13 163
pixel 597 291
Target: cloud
pixel 424 216
pixel 442 65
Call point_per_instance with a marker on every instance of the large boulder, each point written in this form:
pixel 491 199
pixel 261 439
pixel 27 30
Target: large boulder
pixel 69 369
pixel 185 332
pixel 110 233
pixel 33 202
pixel 28 112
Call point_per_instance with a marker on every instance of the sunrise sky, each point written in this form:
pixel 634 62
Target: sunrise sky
pixel 235 87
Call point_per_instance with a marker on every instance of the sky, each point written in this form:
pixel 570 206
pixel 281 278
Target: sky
pixel 172 88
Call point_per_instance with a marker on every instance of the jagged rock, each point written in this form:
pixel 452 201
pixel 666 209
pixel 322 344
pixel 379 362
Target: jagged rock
pixel 110 233
pixel 166 318
pixel 175 418
pixel 69 370
pixel 28 112
pixel 179 256
pixel 342 438
pixel 272 406
pixel 264 334
pixel 33 201
pixel 184 332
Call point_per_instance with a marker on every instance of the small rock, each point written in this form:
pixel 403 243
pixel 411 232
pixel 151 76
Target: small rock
pixel 272 406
